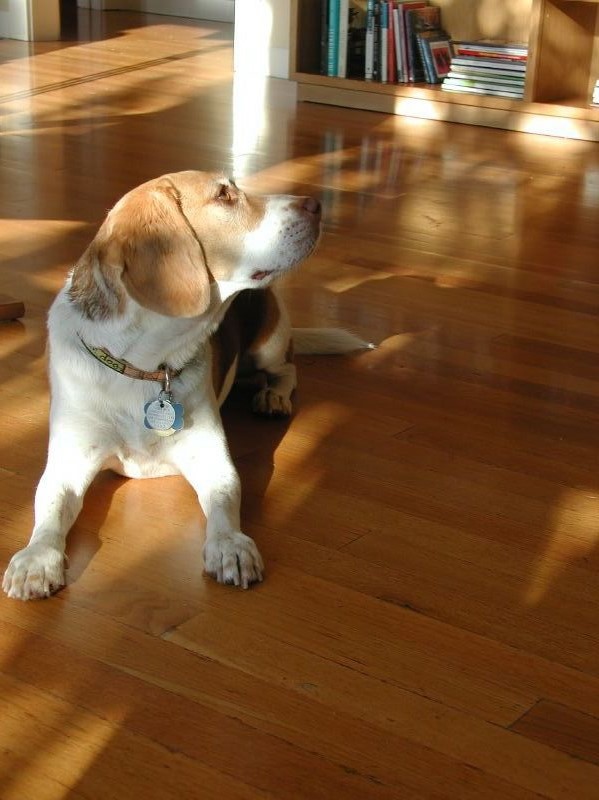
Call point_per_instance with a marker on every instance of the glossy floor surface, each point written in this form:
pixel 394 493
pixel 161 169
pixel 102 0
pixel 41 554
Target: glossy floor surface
pixel 428 626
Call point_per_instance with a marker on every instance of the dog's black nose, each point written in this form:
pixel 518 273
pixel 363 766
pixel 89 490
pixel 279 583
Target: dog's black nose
pixel 311 205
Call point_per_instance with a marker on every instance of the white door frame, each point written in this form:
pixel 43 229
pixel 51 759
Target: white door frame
pixel 30 20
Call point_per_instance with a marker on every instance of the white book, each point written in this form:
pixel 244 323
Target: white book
pixel 343 37
pixel 369 43
pixel 384 43
pixel 398 44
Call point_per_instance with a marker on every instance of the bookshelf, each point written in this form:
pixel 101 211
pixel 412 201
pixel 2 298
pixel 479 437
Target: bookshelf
pixel 563 64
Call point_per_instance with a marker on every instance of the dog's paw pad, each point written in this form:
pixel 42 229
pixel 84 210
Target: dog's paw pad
pixel 271 404
pixel 233 558
pixel 37 571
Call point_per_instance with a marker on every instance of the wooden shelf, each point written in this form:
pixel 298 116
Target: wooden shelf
pixel 563 65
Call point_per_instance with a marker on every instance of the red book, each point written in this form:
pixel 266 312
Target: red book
pixel 468 51
pixel 391 57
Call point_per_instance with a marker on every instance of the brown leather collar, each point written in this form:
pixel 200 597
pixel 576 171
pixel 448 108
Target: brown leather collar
pixel 162 375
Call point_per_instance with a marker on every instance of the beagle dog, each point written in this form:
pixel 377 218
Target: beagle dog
pixel 168 304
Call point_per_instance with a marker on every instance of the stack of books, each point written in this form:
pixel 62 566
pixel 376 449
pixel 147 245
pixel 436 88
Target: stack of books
pixel 487 68
pixel 389 41
pixel 431 61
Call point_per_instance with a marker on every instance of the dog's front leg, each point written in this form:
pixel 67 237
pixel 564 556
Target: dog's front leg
pixel 202 456
pixel 39 569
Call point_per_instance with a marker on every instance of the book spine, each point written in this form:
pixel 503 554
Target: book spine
pixel 343 36
pixel 384 43
pixel 397 34
pixel 391 61
pixel 369 43
pixel 421 48
pixel 324 36
pixel 491 63
pixel 461 74
pixel 478 48
pixel 376 55
pixel 439 64
pixel 333 50
pixel 415 70
pixel 404 46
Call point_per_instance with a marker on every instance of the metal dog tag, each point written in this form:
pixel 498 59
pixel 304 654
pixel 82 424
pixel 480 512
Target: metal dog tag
pixel 163 415
pixel 160 415
pixel 166 433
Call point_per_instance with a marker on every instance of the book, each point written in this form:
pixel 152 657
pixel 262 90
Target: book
pixel 439 53
pixel 435 52
pixel 430 18
pixel 475 83
pixel 425 26
pixel 486 67
pixel 487 76
pixel 391 57
pixel 384 42
pixel 324 36
pixel 369 43
pixel 491 49
pixel 356 56
pixel 397 35
pixel 492 63
pixel 424 60
pixel 403 7
pixel 343 34
pixel 468 70
pixel 376 49
pixel 333 39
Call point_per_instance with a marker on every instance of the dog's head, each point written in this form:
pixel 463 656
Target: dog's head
pixel 169 241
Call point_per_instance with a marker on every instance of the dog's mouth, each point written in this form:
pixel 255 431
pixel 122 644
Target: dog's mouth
pixel 286 264
pixel 260 275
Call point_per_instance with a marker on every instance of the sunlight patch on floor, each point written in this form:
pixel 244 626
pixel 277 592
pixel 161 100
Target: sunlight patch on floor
pixel 300 450
pixel 573 532
pixel 58 761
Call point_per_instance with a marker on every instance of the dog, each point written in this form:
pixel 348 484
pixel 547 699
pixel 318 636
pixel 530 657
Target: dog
pixel 171 301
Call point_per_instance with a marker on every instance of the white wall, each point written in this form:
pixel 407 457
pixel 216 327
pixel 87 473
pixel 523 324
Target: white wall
pixel 219 10
pixel 30 20
pixel 262 37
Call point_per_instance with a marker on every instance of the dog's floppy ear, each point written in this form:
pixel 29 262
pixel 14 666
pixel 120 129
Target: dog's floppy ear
pixel 163 264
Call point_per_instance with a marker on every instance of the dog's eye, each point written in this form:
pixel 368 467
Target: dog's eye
pixel 225 195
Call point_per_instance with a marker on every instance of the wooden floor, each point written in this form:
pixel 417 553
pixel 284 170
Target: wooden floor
pixel 429 624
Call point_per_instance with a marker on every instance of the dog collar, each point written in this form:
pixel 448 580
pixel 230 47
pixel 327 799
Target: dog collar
pixel 163 376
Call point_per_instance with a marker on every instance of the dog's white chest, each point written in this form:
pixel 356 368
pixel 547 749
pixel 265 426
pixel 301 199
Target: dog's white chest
pixel 139 465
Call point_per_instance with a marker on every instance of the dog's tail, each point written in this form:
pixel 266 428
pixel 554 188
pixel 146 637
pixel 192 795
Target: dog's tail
pixel 327 341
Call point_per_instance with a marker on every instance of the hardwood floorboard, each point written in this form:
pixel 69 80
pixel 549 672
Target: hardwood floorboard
pixel 295 727
pixel 429 515
pixel 563 728
pixel 35 725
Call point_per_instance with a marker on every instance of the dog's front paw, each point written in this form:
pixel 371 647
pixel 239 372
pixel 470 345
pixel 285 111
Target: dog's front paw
pixel 36 571
pixel 233 558
pixel 270 403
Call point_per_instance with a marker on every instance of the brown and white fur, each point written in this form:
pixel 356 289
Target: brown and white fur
pixel 178 275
